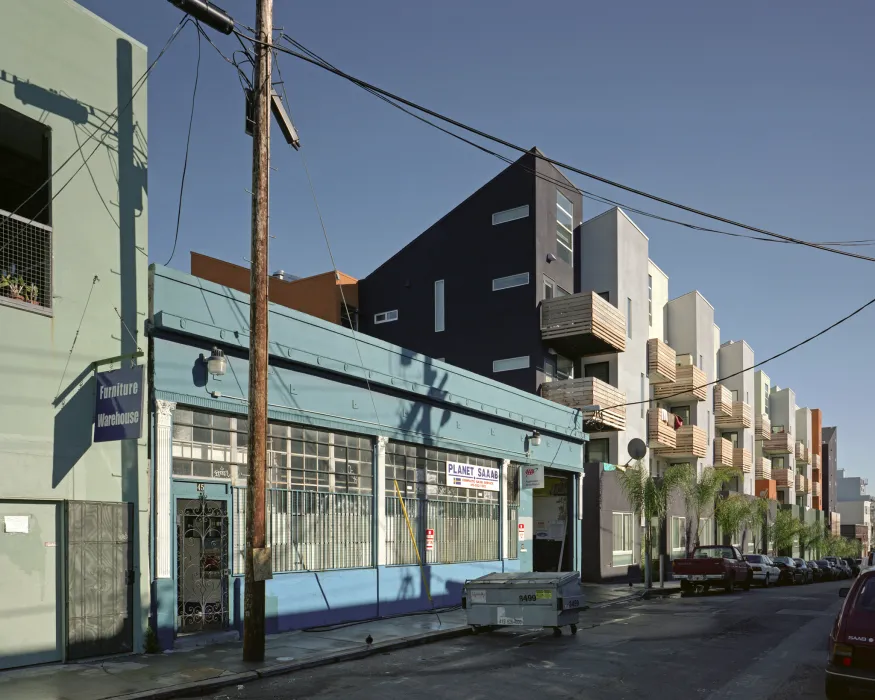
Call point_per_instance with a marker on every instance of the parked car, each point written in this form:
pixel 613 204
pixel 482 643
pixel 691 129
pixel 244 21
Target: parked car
pixel 790 573
pixel 837 564
pixel 868 562
pixel 851 661
pixel 764 571
pixel 853 565
pixel 818 571
pixel 713 565
pixel 831 573
pixel 807 573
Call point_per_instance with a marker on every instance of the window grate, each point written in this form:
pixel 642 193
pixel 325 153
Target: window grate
pixel 25 263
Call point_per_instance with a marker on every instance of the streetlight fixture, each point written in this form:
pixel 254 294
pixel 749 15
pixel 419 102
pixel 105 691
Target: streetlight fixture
pixel 216 363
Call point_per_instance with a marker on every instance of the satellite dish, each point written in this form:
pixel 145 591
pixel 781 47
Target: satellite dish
pixel 637 448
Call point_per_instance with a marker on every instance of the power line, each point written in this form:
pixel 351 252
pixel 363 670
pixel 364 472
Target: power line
pixel 557 163
pixel 197 72
pixel 138 85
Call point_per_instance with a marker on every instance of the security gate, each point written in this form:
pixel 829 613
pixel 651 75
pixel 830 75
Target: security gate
pixel 202 565
pixel 100 579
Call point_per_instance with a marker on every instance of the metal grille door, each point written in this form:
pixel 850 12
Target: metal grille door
pixel 99 579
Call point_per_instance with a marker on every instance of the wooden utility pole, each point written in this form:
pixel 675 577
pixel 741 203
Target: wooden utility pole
pixel 256 541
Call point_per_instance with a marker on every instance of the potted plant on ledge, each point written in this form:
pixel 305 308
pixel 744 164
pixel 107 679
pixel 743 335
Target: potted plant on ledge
pixel 12 286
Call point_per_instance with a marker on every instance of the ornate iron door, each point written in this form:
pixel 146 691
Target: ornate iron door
pixel 202 565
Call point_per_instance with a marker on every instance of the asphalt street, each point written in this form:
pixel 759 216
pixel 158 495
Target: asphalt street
pixel 759 645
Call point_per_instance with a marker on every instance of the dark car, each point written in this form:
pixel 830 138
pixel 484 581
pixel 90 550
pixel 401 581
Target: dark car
pixel 851 643
pixel 853 565
pixel 790 573
pixel 807 573
pixel 838 565
pixel 818 572
pixel 830 572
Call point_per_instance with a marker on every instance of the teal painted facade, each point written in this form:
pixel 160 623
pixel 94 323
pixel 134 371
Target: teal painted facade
pixel 322 377
pixel 66 69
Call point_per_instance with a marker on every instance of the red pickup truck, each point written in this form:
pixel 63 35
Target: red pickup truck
pixel 713 565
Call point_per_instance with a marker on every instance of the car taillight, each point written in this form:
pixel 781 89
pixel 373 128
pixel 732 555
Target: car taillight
pixel 842 654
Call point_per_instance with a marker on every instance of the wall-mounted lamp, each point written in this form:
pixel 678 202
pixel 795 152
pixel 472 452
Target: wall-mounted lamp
pixel 535 438
pixel 550 257
pixel 216 363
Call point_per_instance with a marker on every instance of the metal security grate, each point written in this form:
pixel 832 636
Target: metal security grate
pixel 512 532
pixel 25 262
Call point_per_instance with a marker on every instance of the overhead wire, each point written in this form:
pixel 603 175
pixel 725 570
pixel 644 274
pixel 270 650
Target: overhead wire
pixel 557 163
pixel 197 72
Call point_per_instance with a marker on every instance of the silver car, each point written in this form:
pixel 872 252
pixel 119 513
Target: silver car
pixel 764 571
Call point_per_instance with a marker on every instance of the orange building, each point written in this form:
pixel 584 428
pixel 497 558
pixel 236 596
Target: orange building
pixel 320 295
pixel 816 460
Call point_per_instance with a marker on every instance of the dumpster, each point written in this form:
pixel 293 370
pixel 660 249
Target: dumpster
pixel 528 599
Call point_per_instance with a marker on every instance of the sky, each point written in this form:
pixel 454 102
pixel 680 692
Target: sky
pixel 759 112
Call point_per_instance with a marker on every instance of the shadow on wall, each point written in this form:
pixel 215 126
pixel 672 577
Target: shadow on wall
pixel 419 418
pixel 73 430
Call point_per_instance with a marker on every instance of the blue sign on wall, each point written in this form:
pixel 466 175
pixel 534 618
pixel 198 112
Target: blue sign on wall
pixel 119 411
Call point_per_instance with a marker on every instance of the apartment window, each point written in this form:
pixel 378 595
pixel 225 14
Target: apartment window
pixel 682 412
pixel 564 228
pixel 734 393
pixel 511 363
pixel 650 300
pixel 551 289
pixel 598 370
pixel 605 295
pixel 598 450
pixel 732 437
pixel 628 318
pixel 643 397
pixel 678 536
pixel 778 463
pixel 439 306
pixel 558 367
pixel 519 280
pixel 624 539
pixel 502 217
pixel 701 361
pixel 777 429
pixel 26 237
pixel 386 316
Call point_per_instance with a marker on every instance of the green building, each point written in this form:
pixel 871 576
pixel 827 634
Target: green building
pixel 74 512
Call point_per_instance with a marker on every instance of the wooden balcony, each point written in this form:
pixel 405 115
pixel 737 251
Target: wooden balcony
pixel 802 455
pixel 742 459
pixel 815 462
pixel 779 444
pixel 690 385
pixel 722 401
pixel 763 469
pixel 784 478
pixel 722 452
pixel 801 483
pixel 741 417
pixel 691 442
pixel 589 391
pixel 582 324
pixel 815 489
pixel 661 362
pixel 660 433
pixel 763 427
pixel 816 474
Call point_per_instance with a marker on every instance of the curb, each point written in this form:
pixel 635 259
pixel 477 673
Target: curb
pixel 211 684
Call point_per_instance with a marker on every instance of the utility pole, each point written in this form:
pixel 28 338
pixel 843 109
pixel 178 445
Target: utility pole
pixel 256 540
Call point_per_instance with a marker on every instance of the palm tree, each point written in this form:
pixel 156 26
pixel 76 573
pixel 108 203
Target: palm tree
pixel 648 497
pixel 812 537
pixel 736 513
pixel 760 526
pixel 700 493
pixel 783 531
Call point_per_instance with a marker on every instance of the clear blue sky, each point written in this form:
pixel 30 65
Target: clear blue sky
pixel 759 111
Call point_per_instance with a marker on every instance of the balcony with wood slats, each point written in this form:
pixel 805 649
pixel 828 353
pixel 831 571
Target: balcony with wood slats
pixel 802 455
pixel 722 452
pixel 582 324
pixel 815 461
pixel 741 416
pixel 785 478
pixel 762 427
pixel 815 489
pixel 763 468
pixel 661 362
pixel 722 401
pixel 742 459
pixel 659 432
pixel 589 391
pixel 691 442
pixel 779 444
pixel 801 483
pixel 816 474
pixel 690 385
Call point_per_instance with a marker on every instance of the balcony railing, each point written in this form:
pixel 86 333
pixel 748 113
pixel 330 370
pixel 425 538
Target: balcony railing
pixel 660 429
pixel 722 401
pixel 722 452
pixel 690 385
pixel 815 461
pixel 583 324
pixel 779 444
pixel 661 362
pixel 763 468
pixel 802 452
pixel 816 474
pixel 691 441
pixel 762 427
pixel 741 458
pixel 784 478
pixel 740 417
pixel 589 391
pixel 815 489
pixel 801 483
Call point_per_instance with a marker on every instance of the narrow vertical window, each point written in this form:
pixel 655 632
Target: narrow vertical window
pixel 643 397
pixel 629 318
pixel 439 306
pixel 650 300
pixel 564 228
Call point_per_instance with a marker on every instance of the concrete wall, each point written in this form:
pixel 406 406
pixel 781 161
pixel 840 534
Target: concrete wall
pixel 70 70
pixel 849 488
pixel 803 435
pixel 734 357
pixel 658 328
pixel 782 409
pixel 855 512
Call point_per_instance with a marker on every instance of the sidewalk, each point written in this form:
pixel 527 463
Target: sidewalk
pixel 205 668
